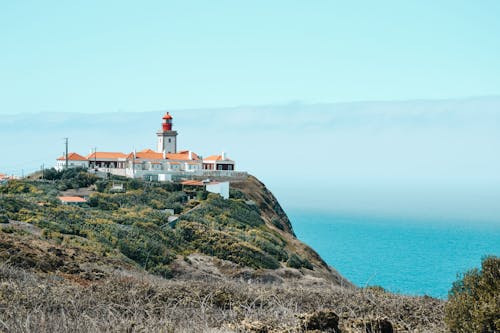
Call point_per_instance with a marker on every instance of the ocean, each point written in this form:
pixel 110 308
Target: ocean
pixel 408 257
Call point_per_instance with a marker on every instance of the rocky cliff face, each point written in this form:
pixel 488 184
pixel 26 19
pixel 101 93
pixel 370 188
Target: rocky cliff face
pixel 276 218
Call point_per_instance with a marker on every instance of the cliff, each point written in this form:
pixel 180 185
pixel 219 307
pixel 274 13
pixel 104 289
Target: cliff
pixel 223 266
pixel 247 236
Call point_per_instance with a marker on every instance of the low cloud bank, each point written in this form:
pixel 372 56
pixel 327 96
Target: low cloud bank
pixel 427 159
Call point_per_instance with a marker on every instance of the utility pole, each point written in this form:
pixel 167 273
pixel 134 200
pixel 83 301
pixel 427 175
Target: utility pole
pixel 66 141
pixel 133 164
pixel 95 158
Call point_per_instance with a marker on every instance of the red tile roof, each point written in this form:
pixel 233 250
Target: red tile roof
pixel 73 157
pixel 216 158
pixel 192 183
pixel 106 155
pixel 147 154
pixel 72 199
pixel 198 182
pixel 183 156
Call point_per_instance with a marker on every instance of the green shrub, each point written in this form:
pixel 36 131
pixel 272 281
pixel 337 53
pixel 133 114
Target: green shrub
pixel 101 185
pixel 8 230
pixel 16 187
pixel 163 271
pixel 4 219
pixel 236 194
pixel 201 195
pixel 134 184
pixel 277 223
pixel 295 261
pixel 473 301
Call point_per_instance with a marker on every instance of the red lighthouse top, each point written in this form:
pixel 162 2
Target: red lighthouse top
pixel 167 122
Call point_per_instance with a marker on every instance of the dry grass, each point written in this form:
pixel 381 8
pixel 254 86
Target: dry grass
pixel 136 302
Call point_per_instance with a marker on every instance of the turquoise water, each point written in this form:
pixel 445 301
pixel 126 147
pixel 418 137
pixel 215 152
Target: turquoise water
pixel 409 257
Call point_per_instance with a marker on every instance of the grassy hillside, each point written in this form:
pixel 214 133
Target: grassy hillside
pixel 223 266
pixel 132 225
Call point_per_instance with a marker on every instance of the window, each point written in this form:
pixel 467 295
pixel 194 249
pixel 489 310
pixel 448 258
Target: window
pixel 169 140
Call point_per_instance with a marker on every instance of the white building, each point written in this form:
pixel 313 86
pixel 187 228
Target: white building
pixel 107 160
pixel 218 162
pixel 154 165
pixel 74 161
pixel 221 188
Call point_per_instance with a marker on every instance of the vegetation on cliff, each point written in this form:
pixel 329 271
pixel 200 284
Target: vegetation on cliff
pixel 134 223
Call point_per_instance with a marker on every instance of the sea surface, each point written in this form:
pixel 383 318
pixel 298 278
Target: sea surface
pixel 408 257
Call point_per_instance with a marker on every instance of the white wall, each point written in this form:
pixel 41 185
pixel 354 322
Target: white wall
pixel 219 188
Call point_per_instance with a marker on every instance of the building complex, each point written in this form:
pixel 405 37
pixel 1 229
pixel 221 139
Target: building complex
pixel 161 164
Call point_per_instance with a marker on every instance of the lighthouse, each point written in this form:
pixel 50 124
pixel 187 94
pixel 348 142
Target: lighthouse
pixel 167 138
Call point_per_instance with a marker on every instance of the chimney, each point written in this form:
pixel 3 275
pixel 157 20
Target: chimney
pixel 223 155
pixel 164 155
pixel 190 155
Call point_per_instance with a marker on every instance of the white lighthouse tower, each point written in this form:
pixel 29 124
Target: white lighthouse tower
pixel 167 139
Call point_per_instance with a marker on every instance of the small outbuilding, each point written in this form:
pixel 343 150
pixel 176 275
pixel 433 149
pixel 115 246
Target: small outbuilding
pixel 221 188
pixel 72 200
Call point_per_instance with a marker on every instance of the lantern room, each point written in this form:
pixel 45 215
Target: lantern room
pixel 167 122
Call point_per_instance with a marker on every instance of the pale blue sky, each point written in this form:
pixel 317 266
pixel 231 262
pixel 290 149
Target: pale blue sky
pixel 431 159
pixel 100 56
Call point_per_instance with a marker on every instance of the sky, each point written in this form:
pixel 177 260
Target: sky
pixel 393 105
pixel 107 56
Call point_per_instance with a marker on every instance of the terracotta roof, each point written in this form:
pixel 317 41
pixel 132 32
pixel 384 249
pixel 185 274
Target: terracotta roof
pixel 192 183
pixel 73 157
pixel 216 158
pixel 72 199
pixel 108 155
pixel 2 176
pixel 183 156
pixel 198 182
pixel 167 116
pixel 147 155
